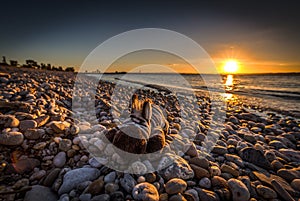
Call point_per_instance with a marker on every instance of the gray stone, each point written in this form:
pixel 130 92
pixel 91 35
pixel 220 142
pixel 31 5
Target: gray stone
pixel 60 159
pixel 109 178
pixel 179 169
pixel 128 182
pixel 38 193
pixel 77 176
pixel 205 182
pixel 102 197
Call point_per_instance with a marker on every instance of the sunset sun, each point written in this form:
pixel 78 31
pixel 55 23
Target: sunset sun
pixel 231 66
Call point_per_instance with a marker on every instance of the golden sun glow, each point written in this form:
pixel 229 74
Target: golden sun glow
pixel 231 66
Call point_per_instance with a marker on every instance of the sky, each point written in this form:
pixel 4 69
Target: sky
pixel 261 36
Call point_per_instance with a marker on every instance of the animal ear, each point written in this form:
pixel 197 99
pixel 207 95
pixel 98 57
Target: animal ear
pixel 135 104
pixel 147 110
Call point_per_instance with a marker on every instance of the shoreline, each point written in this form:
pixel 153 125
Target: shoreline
pixel 41 149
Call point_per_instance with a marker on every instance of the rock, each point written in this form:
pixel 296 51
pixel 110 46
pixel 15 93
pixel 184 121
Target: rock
pixel 51 177
pixel 201 162
pixel 94 163
pixel 21 183
pixel 38 193
pixel 281 191
pixel 96 186
pixel 255 156
pixel 235 159
pixel 37 175
pixel 27 124
pixel 145 192
pixel 102 197
pixel 191 195
pixel 266 192
pixel 219 182
pixel 179 169
pixel 26 165
pixel 40 145
pixel 77 176
pixel 177 197
pixel 128 182
pixel 276 165
pixel 150 177
pixel 42 120
pixel 214 171
pixel 207 195
pixel 60 159
pixel 219 150
pixel 175 186
pixel 233 119
pixel 111 188
pixel 266 179
pixel 238 189
pixel 117 196
pixel 256 129
pixel 276 144
pixel 59 126
pixel 296 184
pixel 199 172
pixel 138 167
pixel 289 174
pixel 65 145
pixel 291 154
pixel 11 138
pixel 9 121
pixel 33 133
pixel 109 178
pixel 228 169
pixel 192 150
pixel 205 182
pixel 85 197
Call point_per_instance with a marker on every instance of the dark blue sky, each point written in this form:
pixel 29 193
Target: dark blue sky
pixel 64 32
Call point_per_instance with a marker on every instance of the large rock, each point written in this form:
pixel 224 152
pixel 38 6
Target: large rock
pixel 266 192
pixel 199 171
pixel 289 174
pixel 38 193
pixel 175 186
pixel 128 182
pixel 34 133
pixel 11 138
pixel 238 189
pixel 145 192
pixel 77 176
pixel 266 179
pixel 9 121
pixel 255 156
pixel 27 124
pixel 178 169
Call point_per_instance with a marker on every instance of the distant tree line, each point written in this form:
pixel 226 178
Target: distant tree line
pixel 29 63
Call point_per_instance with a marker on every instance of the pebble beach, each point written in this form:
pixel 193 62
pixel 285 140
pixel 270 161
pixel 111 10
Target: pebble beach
pixel 43 156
